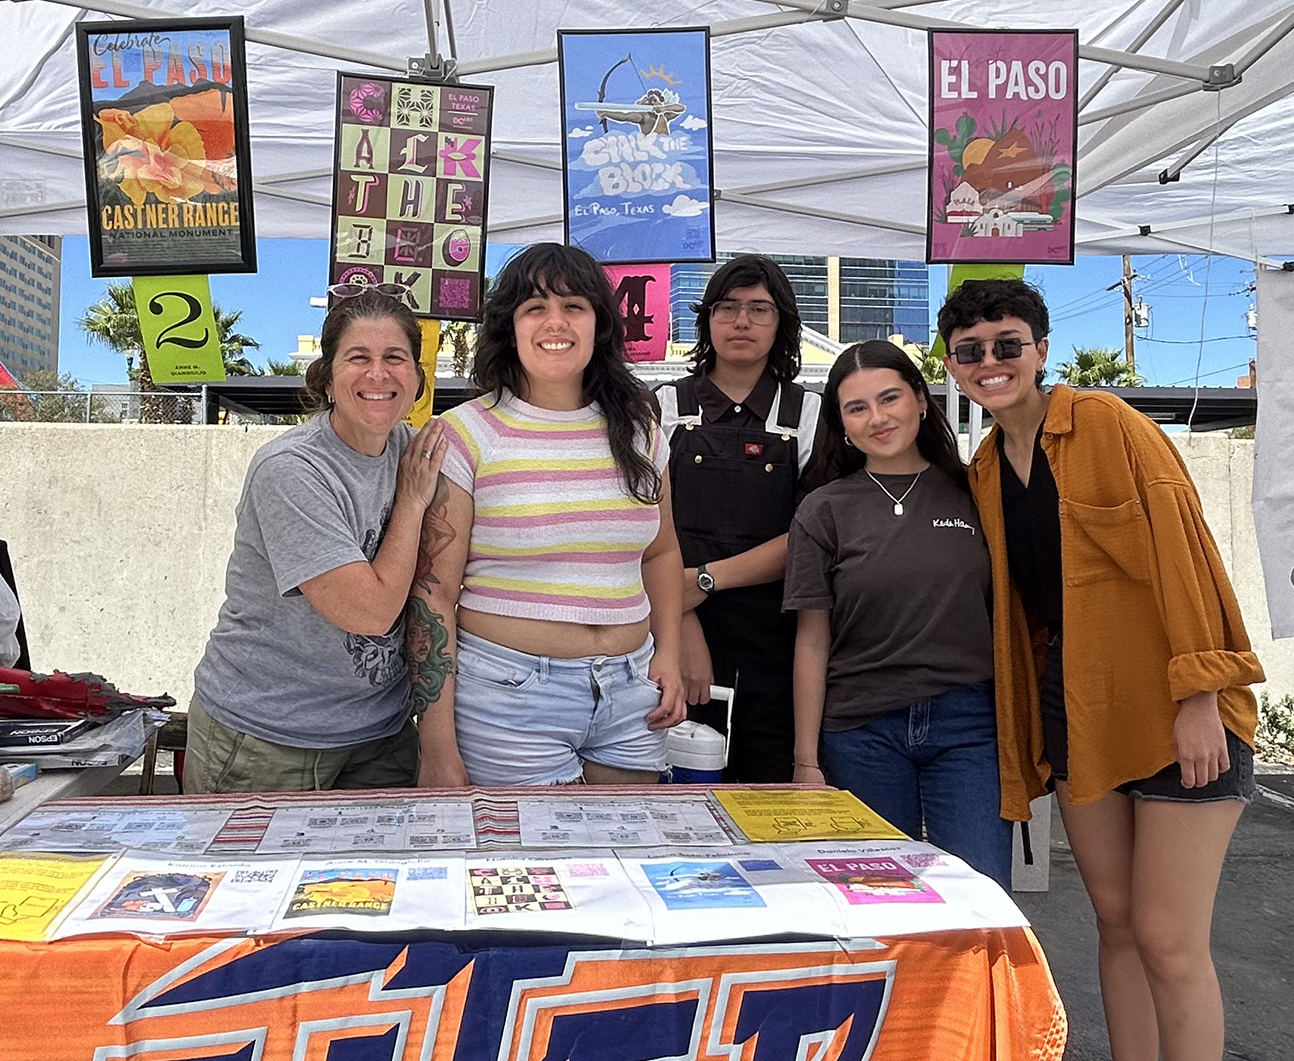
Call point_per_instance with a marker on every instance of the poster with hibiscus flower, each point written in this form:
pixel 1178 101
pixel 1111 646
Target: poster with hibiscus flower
pixel 165 141
pixel 1003 140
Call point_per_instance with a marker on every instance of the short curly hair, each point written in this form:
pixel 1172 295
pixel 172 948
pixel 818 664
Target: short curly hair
pixel 991 300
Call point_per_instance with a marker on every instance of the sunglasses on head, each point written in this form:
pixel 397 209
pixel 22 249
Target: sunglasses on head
pixel 1003 350
pixel 353 290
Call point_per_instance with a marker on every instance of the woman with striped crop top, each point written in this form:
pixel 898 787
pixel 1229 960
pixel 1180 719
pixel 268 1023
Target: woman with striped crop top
pixel 543 626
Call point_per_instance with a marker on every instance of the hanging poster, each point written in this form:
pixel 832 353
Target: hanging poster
pixel 165 141
pixel 1003 140
pixel 410 179
pixel 638 158
pixel 642 292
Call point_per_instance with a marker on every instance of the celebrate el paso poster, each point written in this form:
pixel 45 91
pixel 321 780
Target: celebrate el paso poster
pixel 164 129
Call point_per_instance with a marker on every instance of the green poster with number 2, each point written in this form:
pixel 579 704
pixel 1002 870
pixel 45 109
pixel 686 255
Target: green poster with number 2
pixel 179 328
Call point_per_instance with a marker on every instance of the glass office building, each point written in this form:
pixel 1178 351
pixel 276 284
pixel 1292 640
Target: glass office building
pixel 29 288
pixel 848 299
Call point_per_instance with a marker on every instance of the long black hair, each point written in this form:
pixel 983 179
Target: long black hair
pixel 552 268
pixel 750 270
pixel 833 459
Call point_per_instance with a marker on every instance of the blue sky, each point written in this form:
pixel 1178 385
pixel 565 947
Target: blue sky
pixel 1188 296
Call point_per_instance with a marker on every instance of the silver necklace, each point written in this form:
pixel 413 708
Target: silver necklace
pixel 898 501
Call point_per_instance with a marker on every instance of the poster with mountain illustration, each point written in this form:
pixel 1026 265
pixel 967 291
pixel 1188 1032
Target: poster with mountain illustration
pixel 1003 140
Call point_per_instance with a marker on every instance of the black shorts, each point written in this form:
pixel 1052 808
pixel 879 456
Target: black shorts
pixel 1237 783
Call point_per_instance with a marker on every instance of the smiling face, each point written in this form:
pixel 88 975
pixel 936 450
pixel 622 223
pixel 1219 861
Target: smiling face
pixel 554 335
pixel 998 385
pixel 374 382
pixel 882 414
pixel 742 341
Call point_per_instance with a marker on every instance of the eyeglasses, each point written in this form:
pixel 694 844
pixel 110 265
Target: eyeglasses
pixel 1003 349
pixel 352 290
pixel 727 310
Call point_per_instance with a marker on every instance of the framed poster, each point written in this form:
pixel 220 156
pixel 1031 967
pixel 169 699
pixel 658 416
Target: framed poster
pixel 638 158
pixel 410 180
pixel 1003 143
pixel 168 178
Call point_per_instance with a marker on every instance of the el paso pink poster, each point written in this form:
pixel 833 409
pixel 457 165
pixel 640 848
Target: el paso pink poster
pixel 1003 124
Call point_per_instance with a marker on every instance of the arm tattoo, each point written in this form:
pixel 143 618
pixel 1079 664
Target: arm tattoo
pixel 437 533
pixel 426 640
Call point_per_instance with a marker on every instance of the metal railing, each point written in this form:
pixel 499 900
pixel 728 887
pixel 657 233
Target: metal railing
pixel 98 407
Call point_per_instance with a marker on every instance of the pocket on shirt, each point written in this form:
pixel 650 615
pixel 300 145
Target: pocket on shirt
pixel 1105 542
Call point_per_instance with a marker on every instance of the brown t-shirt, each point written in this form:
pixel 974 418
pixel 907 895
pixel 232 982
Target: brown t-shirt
pixel 909 595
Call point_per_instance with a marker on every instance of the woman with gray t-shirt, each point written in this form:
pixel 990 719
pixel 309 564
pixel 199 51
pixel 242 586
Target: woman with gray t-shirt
pixel 303 684
pixel 889 573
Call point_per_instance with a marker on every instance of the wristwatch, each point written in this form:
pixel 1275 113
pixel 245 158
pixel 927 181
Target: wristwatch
pixel 704 580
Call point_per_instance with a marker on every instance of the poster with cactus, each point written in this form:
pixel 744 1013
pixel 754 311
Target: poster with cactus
pixel 1003 142
pixel 165 140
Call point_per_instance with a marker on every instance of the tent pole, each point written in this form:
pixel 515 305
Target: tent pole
pixel 869 13
pixel 270 38
pixel 1278 33
pixel 1150 30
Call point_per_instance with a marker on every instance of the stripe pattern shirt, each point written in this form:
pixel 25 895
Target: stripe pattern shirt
pixel 555 535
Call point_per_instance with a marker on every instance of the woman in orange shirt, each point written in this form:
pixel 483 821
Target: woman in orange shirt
pixel 1138 711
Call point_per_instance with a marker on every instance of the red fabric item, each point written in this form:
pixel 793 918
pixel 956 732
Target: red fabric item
pixel 61 695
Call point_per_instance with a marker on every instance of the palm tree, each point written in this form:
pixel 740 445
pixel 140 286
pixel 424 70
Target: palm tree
pixel 114 322
pixel 1098 366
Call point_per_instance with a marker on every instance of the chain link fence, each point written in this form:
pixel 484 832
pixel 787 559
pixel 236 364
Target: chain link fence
pixel 99 407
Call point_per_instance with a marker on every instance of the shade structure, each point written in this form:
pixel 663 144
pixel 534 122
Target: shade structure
pixel 819 112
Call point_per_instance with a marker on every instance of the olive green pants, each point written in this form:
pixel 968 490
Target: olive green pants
pixel 220 759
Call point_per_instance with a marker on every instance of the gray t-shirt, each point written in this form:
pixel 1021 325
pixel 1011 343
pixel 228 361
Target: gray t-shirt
pixel 274 667
pixel 908 595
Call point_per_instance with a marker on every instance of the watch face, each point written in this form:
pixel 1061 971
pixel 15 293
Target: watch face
pixel 705 582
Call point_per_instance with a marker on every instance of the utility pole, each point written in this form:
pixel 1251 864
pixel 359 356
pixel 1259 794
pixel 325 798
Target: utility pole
pixel 1129 335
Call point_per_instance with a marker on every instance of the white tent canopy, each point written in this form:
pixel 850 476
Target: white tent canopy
pixel 819 120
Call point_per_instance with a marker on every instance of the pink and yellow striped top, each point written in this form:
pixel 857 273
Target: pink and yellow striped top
pixel 555 534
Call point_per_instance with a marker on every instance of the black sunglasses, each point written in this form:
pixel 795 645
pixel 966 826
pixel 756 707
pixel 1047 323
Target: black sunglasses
pixel 1003 350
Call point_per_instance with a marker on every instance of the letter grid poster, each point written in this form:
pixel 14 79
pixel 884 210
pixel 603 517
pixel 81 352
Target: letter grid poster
pixel 411 173
pixel 637 157
pixel 165 141
pixel 1003 139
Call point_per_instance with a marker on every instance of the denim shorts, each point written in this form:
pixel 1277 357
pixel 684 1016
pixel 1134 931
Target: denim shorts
pixel 534 720
pixel 1237 782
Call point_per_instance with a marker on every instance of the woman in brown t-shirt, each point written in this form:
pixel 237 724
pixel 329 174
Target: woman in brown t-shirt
pixel 888 570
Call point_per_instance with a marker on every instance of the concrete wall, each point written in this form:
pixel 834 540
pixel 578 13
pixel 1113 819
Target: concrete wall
pixel 120 535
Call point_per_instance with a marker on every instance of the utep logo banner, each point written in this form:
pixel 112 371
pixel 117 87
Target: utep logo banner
pixel 312 999
pixel 642 292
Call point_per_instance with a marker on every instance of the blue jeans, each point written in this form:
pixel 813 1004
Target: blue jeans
pixel 933 764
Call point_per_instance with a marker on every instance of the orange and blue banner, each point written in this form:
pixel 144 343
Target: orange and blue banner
pixel 957 996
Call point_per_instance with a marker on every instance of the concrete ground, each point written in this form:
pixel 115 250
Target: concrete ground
pixel 1253 935
pixel 1253 928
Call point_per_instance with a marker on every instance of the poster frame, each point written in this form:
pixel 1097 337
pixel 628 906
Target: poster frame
pixel 931 148
pixel 391 78
pixel 176 264
pixel 712 194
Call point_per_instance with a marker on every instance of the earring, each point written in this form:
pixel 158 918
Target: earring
pixel 923 414
pixel 849 441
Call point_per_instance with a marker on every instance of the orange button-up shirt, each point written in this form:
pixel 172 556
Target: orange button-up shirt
pixel 1148 610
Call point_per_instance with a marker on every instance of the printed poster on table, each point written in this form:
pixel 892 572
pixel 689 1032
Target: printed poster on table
pixel 410 180
pixel 638 158
pixel 1003 141
pixel 165 141
pixel 642 292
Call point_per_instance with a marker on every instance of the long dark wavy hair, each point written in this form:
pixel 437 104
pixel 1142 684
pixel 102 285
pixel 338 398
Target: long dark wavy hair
pixel 750 270
pixel 551 268
pixel 833 459
pixel 368 306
